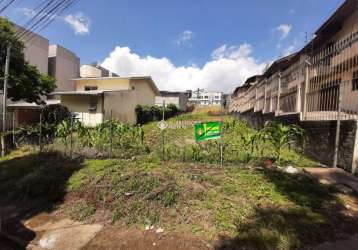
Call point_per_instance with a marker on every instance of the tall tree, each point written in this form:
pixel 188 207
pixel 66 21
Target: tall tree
pixel 25 81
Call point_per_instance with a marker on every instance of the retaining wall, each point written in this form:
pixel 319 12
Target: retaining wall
pixel 321 137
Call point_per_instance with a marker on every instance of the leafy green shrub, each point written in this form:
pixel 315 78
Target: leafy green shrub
pixel 147 114
pixel 55 114
pixel 280 136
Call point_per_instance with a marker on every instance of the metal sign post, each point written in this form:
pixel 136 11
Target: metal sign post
pixel 110 136
pixel 163 121
pixel 221 133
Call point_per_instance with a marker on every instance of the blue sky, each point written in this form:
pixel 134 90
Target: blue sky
pixel 184 34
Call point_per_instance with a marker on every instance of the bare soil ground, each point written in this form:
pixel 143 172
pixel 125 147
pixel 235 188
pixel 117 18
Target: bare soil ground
pixel 117 238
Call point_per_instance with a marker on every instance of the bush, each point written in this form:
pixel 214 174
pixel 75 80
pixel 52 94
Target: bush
pixel 55 114
pixel 147 114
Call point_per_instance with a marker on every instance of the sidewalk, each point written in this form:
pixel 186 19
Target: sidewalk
pixel 334 176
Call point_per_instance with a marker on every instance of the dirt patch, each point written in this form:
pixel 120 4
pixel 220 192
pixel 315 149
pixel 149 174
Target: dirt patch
pixel 52 233
pixel 117 238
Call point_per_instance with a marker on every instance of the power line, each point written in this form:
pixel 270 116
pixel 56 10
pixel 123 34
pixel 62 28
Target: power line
pixel 44 13
pixel 6 6
pixel 49 11
pixel 50 19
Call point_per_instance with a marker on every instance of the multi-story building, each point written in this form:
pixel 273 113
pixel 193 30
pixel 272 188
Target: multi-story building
pixel 95 70
pixel 36 50
pixel 319 83
pixel 63 66
pixel 202 97
pixel 53 60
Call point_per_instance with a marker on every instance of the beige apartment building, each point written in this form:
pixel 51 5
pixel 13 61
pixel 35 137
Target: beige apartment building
pixel 96 99
pixel 318 83
pixel 53 60
pixel 95 70
pixel 36 50
pixel 63 66
pixel 310 82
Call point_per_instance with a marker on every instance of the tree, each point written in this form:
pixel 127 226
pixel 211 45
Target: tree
pixel 25 81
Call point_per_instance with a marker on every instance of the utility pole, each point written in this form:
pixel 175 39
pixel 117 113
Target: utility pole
pixel 6 79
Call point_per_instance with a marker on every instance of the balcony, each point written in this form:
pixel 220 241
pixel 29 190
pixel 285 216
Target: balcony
pixel 288 102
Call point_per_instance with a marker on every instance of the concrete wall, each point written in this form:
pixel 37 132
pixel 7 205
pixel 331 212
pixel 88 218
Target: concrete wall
pixel 64 65
pixel 80 104
pixel 145 93
pixel 122 104
pixel 180 101
pixel 90 71
pixel 321 138
pixel 36 51
pixel 103 83
pixel 168 100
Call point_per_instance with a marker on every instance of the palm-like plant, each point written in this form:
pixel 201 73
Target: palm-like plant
pixel 249 140
pixel 281 135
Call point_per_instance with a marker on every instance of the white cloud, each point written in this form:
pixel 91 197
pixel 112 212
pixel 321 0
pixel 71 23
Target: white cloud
pixel 284 30
pixel 79 23
pixel 291 48
pixel 232 52
pixel 28 12
pixel 185 36
pixel 229 66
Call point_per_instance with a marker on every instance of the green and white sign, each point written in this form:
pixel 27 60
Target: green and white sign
pixel 207 131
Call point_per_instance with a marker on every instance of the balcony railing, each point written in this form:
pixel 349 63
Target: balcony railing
pixel 288 101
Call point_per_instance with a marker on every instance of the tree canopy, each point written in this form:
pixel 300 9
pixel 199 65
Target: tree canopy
pixel 25 81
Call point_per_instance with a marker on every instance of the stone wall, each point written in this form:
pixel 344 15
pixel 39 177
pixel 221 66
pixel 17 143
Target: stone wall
pixel 320 134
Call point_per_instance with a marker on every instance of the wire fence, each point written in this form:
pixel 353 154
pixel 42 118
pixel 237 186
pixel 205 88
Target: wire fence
pixel 112 139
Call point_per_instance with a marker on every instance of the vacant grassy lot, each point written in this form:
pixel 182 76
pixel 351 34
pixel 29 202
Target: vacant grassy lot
pixel 238 205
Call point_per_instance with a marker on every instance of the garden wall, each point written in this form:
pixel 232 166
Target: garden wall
pixel 321 137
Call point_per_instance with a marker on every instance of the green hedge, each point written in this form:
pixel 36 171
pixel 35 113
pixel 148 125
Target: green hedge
pixel 147 114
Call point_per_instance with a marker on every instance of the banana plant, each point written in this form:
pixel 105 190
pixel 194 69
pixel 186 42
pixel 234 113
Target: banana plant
pixel 281 136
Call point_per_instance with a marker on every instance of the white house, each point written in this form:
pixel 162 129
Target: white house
pixel 203 97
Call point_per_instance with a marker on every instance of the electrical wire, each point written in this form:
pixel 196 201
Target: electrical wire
pixel 7 6
pixel 51 19
pixel 47 12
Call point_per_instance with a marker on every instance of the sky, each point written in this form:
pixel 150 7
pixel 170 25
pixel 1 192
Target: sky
pixel 184 44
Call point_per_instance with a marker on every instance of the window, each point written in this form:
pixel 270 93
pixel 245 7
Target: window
pixel 206 97
pixel 89 88
pixel 355 81
pixel 217 97
pixel 93 104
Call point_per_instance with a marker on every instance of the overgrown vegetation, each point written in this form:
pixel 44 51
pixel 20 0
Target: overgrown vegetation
pixel 121 139
pixel 240 205
pixel 147 114
pixel 242 144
